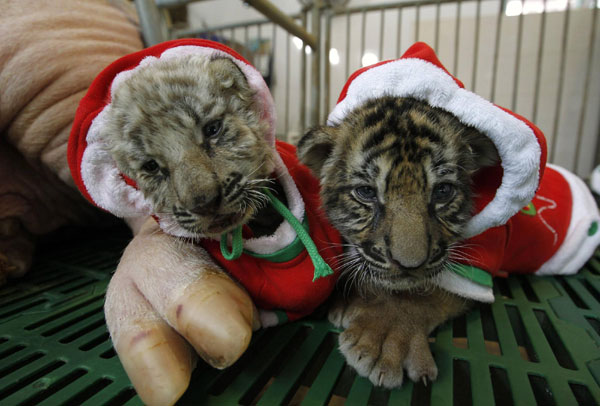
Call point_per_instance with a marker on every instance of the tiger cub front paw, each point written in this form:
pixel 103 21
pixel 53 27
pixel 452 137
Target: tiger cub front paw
pixel 381 346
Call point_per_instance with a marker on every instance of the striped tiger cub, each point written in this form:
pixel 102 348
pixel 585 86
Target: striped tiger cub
pixel 396 182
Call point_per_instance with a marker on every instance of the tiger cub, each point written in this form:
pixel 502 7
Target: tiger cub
pixel 396 182
pixel 206 170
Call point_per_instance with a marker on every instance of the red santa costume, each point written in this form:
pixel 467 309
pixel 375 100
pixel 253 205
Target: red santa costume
pixel 529 217
pixel 283 271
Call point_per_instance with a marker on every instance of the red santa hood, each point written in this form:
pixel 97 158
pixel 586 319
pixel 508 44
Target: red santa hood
pixel 95 172
pixel 419 74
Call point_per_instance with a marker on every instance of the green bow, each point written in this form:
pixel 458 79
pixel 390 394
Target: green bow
pixel 321 267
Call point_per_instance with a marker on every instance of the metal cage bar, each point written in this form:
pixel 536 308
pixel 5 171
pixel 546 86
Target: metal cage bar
pixel 513 104
pixel 561 76
pixel 476 46
pixel 586 92
pixel 540 54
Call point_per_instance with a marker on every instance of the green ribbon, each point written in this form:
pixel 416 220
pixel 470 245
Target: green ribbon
pixel 472 273
pixel 236 244
pixel 321 268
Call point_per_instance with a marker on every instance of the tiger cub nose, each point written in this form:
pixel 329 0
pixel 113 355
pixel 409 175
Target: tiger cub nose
pixel 407 253
pixel 406 264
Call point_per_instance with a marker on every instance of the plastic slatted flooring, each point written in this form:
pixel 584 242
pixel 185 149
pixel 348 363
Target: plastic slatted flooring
pixel 537 344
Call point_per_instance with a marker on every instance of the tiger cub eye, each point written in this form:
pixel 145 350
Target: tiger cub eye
pixel 213 128
pixel 442 193
pixel 151 166
pixel 366 193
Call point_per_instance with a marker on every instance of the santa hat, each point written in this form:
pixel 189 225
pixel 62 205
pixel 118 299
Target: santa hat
pixel 95 172
pixel 419 74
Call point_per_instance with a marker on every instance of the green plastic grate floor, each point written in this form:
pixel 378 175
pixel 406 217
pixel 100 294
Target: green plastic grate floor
pixel 539 343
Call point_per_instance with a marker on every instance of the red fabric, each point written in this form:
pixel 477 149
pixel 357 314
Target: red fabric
pixel 289 285
pixel 98 96
pixel 531 237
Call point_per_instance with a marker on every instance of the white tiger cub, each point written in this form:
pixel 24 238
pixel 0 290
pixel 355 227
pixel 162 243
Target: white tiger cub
pixel 186 139
pixel 184 131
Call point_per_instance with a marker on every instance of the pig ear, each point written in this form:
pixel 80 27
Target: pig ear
pixel 316 146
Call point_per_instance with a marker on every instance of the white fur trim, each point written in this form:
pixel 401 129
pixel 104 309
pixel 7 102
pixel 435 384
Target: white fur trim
pixel 464 287
pixel 578 246
pixel 103 180
pixel 515 141
pixel 99 172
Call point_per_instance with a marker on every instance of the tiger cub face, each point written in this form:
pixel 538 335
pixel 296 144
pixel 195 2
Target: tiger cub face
pixel 396 182
pixel 188 132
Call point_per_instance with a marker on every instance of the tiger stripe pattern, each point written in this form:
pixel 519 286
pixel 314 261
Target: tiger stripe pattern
pixel 396 182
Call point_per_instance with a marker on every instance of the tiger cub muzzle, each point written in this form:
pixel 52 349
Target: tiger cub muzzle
pixel 399 241
pixel 214 205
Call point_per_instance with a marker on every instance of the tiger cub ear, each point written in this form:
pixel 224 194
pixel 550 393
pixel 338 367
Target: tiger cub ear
pixel 316 146
pixel 230 76
pixel 483 150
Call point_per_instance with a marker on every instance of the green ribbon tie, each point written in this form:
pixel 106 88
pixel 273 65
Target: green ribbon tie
pixel 236 244
pixel 322 269
pixel 472 273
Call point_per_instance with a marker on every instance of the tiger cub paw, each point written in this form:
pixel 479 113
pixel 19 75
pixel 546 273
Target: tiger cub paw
pixel 366 350
pixel 382 347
